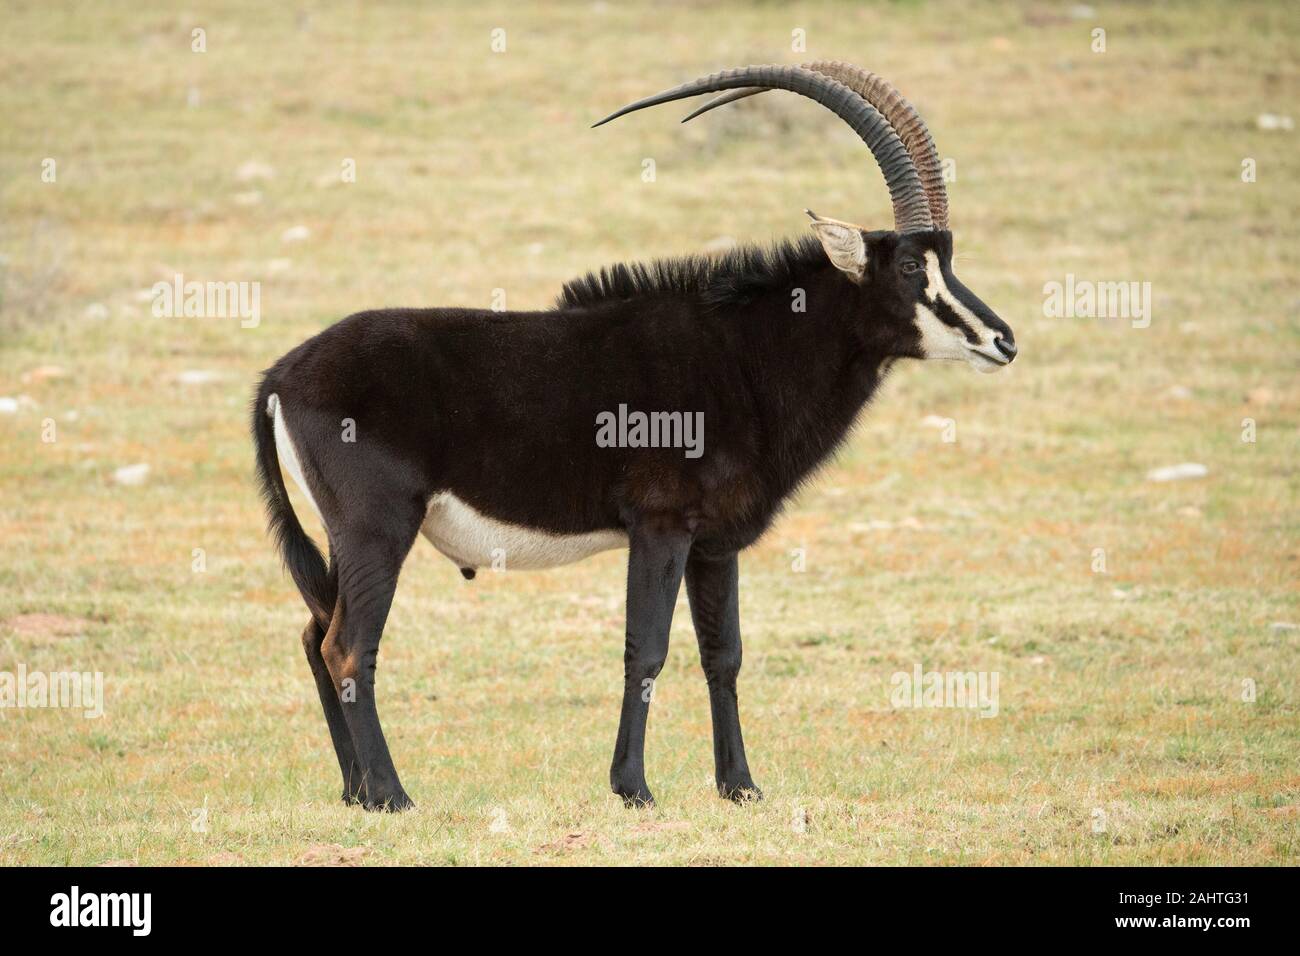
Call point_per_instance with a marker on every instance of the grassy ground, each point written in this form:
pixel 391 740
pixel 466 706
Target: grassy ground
pixel 1121 736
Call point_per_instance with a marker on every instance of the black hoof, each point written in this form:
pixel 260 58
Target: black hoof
pixel 743 792
pixel 392 803
pixel 638 795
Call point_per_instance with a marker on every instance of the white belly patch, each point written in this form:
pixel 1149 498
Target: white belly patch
pixel 475 540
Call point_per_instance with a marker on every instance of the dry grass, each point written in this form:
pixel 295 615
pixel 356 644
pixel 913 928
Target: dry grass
pixel 1120 693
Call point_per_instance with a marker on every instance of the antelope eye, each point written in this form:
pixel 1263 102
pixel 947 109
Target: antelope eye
pixel 910 267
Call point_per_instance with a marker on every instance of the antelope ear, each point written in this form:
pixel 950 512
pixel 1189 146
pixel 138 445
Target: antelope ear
pixel 844 244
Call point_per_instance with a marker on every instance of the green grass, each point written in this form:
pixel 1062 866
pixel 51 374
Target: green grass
pixel 1120 693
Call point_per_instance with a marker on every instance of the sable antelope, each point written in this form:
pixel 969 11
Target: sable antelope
pixel 479 429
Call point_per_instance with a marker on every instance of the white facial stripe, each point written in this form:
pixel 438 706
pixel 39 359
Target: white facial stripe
pixel 936 289
pixel 938 340
pixel 934 283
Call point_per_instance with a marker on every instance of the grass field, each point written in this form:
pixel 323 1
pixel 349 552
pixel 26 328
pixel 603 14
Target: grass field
pixel 1125 731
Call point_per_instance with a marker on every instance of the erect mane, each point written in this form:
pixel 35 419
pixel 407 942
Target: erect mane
pixel 731 278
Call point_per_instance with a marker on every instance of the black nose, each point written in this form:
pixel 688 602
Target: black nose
pixel 1006 347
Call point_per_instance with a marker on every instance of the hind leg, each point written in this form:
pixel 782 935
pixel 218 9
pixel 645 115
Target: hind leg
pixel 312 638
pixel 369 560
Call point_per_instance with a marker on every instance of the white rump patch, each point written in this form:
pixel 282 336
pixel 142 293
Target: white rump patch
pixel 288 453
pixel 475 540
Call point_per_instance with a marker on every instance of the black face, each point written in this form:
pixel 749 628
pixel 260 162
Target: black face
pixel 928 312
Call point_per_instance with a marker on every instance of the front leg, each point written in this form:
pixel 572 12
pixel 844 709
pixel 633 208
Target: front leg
pixel 656 562
pixel 713 589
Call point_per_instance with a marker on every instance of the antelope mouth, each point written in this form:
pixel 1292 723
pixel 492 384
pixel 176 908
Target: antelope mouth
pixel 986 361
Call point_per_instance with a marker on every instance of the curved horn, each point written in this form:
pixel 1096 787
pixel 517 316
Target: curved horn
pixel 911 206
pixel 729 97
pixel 907 123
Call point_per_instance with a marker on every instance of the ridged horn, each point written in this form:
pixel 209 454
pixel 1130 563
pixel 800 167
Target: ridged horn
pixel 907 123
pixel 911 205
